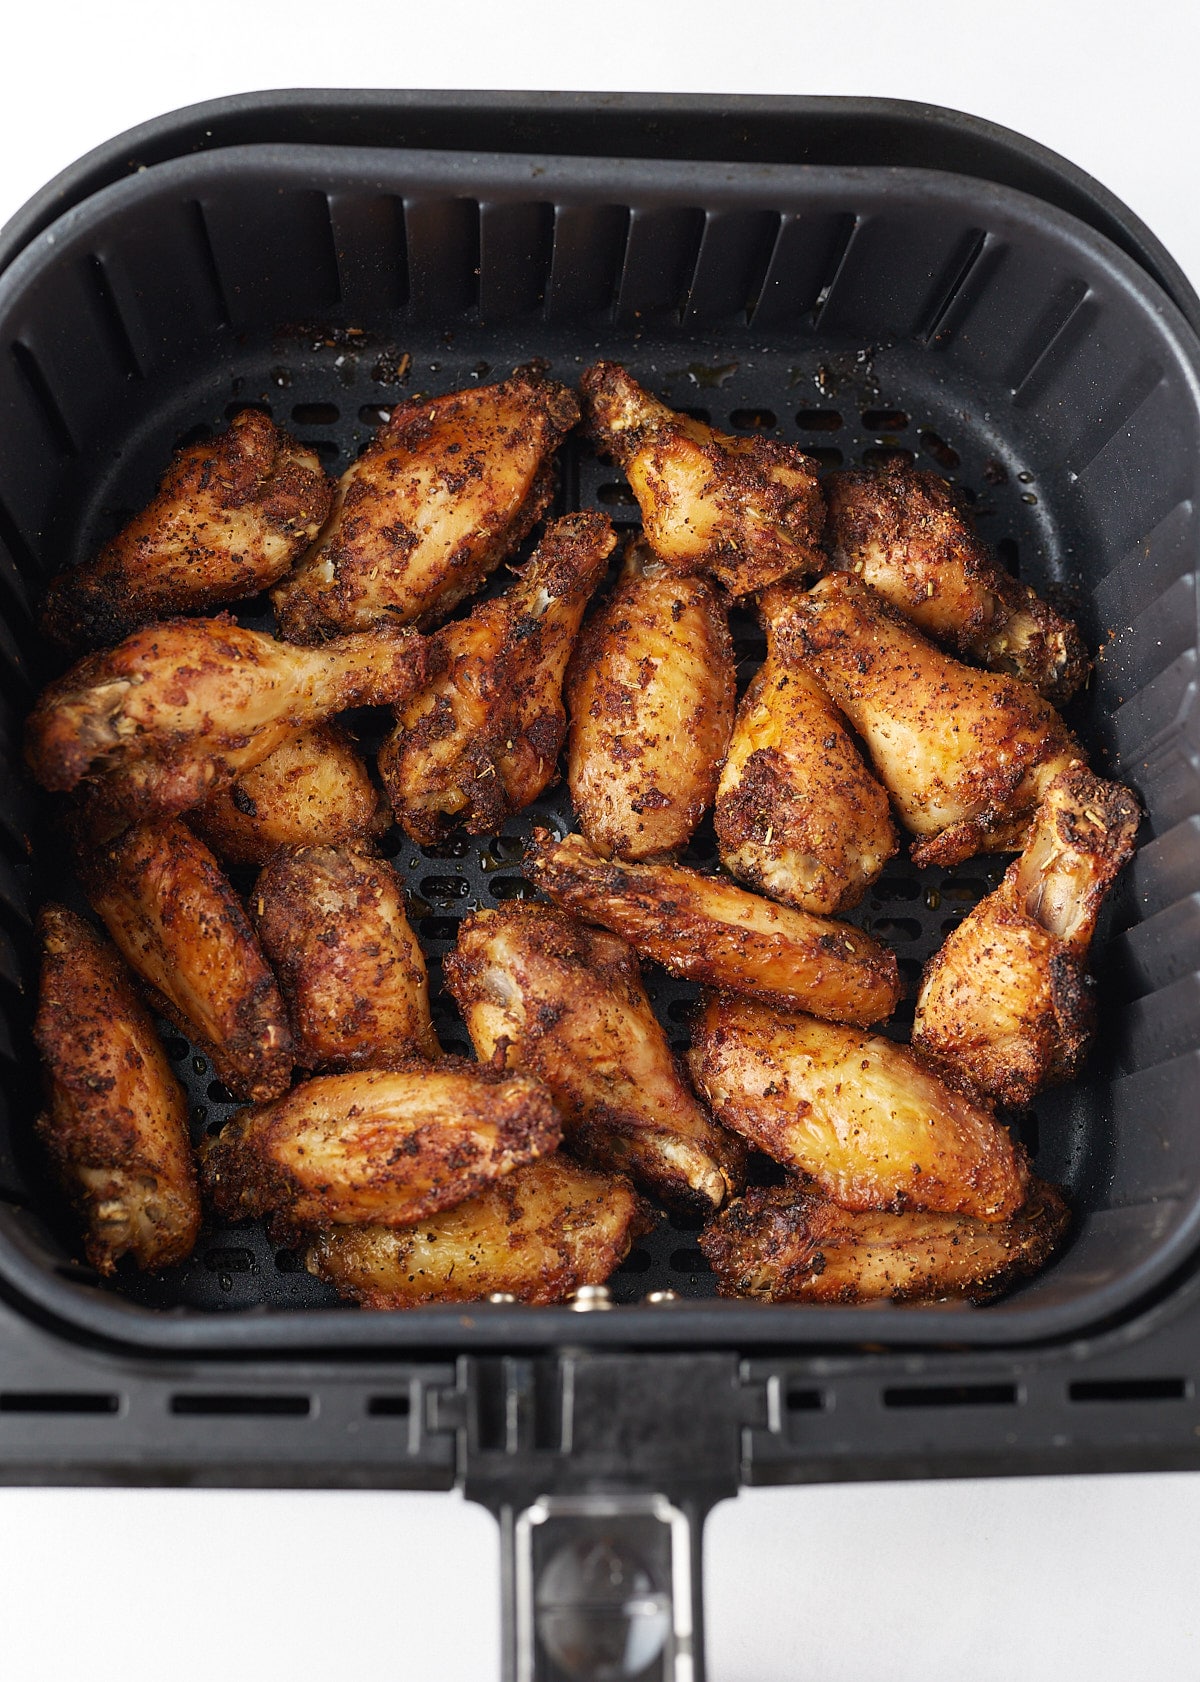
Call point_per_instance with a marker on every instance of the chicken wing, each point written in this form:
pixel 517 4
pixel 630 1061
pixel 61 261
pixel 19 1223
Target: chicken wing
pixel 798 814
pixel 382 1146
pixel 748 510
pixel 651 690
pixel 1008 1000
pixel 448 487
pixel 789 1244
pixel 482 740
pixel 231 515
pixel 871 1124
pixel 965 755
pixel 332 923
pixel 116 1122
pixel 537 1235
pixel 181 927
pixel 709 930
pixel 541 992
pixel 906 535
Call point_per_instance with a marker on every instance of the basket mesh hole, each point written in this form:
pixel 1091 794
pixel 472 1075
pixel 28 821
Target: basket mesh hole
pixel 944 454
pixel 753 420
pixel 316 414
pixel 884 420
pixel 819 420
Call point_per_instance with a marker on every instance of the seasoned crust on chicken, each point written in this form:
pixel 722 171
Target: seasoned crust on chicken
pixel 230 516
pixel 538 1235
pixel 651 691
pixel 541 992
pixel 384 1146
pixel 790 1244
pixel 906 534
pixel 332 923
pixel 181 927
pixel 116 1121
pixel 748 510
pixel 872 1124
pixel 1008 1000
pixel 798 814
pixel 706 929
pixel 447 488
pixel 481 741
pixel 965 755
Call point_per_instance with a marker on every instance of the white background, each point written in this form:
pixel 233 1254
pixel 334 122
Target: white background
pixel 1057 1578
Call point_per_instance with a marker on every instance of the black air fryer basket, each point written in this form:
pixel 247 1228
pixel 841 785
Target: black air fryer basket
pixel 865 279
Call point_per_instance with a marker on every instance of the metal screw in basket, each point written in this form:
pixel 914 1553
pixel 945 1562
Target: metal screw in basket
pixel 588 1298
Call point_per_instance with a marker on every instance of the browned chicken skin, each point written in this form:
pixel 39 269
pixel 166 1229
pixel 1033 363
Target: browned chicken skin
pixel 180 925
pixel 748 510
pixel 1008 1000
pixel 651 691
pixel 448 487
pixel 116 1118
pixel 706 929
pixel 481 741
pixel 230 516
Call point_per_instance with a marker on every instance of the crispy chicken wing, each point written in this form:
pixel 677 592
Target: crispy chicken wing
pixel 906 535
pixel 116 1121
pixel 1008 999
pixel 448 487
pixel 651 691
pixel 538 1235
pixel 749 510
pixel 332 922
pixel 482 740
pixel 866 1118
pixel 230 516
pixel 798 814
pixel 709 930
pixel 180 925
pixel 382 1146
pixel 965 755
pixel 541 992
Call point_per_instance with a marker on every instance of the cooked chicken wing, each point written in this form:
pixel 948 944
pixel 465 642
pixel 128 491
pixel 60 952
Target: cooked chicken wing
pixel 906 535
pixel 116 1122
pixel 481 741
pixel 332 923
pixel 448 487
pixel 790 1244
pixel 965 755
pixel 863 1116
pixel 180 925
pixel 230 516
pixel 709 930
pixel 387 1146
pixel 749 510
pixel 798 814
pixel 541 992
pixel 651 690
pixel 1008 999
pixel 538 1234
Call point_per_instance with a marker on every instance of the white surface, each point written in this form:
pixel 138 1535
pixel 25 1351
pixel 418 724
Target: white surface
pixel 1057 1579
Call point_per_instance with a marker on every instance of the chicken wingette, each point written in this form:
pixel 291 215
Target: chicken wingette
pixel 865 1118
pixel 538 1234
pixel 1008 1000
pixel 906 535
pixel 707 929
pixel 798 814
pixel 230 516
pixel 116 1121
pixel 651 692
pixel 181 927
pixel 965 755
pixel 541 992
pixel 447 488
pixel 481 740
pixel 381 1146
pixel 332 923
pixel 749 510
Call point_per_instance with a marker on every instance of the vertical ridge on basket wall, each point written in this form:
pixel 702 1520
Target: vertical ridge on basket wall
pixel 587 260
pixel 808 251
pixel 660 260
pixel 731 265
pixel 516 245
pixel 371 252
pixel 168 296
pixel 896 274
pixel 274 254
pixel 443 256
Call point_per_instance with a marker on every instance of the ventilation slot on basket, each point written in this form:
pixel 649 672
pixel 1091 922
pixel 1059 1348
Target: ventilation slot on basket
pixel 799 1398
pixel 1129 1390
pixel 242 1407
pixel 838 258
pixel 973 245
pixel 1040 352
pixel 59 1401
pixel 110 312
pixel 389 1407
pixel 208 262
pixel 950 1395
pixel 38 386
